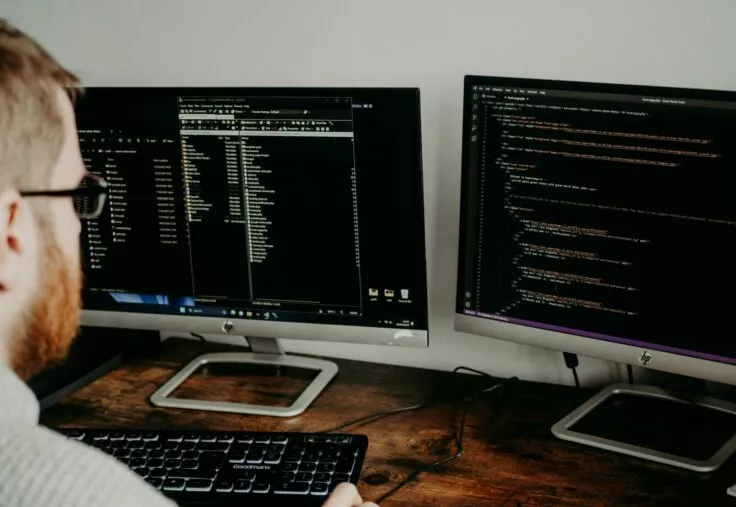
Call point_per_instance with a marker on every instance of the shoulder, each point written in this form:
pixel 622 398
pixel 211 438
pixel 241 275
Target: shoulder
pixel 40 467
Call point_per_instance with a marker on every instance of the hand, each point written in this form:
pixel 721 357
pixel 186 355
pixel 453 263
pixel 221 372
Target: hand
pixel 346 495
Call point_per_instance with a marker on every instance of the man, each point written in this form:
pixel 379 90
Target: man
pixel 40 280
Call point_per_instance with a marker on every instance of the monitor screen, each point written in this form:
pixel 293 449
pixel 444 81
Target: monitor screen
pixel 602 211
pixel 288 205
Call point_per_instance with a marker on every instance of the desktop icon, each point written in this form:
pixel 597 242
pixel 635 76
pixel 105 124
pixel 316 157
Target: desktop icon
pixel 373 293
pixel 389 293
pixel 404 293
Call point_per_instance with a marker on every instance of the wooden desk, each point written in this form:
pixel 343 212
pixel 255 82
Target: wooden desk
pixel 511 458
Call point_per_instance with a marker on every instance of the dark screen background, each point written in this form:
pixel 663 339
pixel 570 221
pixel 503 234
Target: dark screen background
pixel 605 216
pixel 311 208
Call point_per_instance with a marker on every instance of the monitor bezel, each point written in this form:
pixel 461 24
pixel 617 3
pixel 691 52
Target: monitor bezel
pixel 234 326
pixel 653 357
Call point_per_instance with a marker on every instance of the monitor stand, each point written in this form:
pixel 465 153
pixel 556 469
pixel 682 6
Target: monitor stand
pixel 264 352
pixel 692 432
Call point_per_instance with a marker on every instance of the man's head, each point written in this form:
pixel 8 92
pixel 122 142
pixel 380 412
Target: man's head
pixel 40 278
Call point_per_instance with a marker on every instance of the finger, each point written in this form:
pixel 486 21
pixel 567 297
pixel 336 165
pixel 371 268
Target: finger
pixel 345 495
pixel 368 504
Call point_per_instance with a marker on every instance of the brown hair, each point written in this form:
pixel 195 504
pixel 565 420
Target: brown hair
pixel 31 128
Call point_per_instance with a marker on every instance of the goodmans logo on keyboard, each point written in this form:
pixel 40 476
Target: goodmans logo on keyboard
pixel 251 467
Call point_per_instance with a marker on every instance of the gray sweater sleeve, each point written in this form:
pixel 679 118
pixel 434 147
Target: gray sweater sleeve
pixel 39 468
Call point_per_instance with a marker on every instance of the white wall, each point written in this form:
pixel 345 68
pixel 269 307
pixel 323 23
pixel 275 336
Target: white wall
pixel 425 43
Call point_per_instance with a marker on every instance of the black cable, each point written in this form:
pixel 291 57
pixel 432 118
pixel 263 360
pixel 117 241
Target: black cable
pixel 380 415
pixel 630 371
pixel 458 439
pixel 571 361
pixel 432 399
pixel 202 338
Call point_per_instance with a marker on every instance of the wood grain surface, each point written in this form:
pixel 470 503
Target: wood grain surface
pixel 511 459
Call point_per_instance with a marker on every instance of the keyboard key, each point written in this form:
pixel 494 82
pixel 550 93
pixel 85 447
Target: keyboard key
pixel 242 486
pixel 290 467
pixel 261 487
pixel 187 446
pixel 155 482
pixel 276 448
pixel 254 458
pixel 292 457
pixel 156 473
pixel 226 438
pixel 171 446
pixel 214 446
pixel 154 445
pixel 117 435
pixel 100 436
pixel 327 468
pixel 223 486
pixel 155 462
pixel 311 457
pixel 308 467
pixel 291 488
pixel 137 462
pixel 322 477
pixel 137 444
pixel 191 437
pixel 189 464
pixel 304 477
pixel 279 440
pixel 244 439
pixel 287 476
pixel 201 485
pixel 133 437
pixel 119 444
pixel 338 478
pixel 121 453
pixel 190 455
pixel 181 473
pixel 149 436
pixel 236 457
pixel 139 453
pixel 345 465
pixel 319 489
pixel 248 475
pixel 174 437
pixel 208 438
pixel 173 454
pixel 263 439
pixel 142 471
pixel 172 463
pixel 272 458
pixel 173 485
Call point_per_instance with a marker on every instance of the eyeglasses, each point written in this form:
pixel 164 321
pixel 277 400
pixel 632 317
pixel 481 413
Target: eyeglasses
pixel 89 197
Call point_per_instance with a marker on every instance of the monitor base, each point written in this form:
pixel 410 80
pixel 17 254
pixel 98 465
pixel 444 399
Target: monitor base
pixel 695 433
pixel 265 352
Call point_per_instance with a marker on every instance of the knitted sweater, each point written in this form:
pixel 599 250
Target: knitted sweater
pixel 40 468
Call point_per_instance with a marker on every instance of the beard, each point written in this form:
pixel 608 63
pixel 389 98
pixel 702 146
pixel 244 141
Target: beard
pixel 50 324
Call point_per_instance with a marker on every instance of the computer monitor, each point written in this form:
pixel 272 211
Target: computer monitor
pixel 600 220
pixel 263 212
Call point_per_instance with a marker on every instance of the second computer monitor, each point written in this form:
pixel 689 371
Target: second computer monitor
pixel 257 211
pixel 600 219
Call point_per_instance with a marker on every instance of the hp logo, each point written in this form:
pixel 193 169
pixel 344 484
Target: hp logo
pixel 227 327
pixel 644 358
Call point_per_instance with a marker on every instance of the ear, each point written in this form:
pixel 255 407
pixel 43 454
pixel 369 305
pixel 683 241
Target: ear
pixel 16 239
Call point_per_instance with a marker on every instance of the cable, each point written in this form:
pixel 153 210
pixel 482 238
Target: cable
pixel 202 338
pixel 432 399
pixel 380 415
pixel 630 371
pixel 458 439
pixel 571 361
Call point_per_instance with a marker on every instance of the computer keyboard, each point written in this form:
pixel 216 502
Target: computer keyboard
pixel 239 468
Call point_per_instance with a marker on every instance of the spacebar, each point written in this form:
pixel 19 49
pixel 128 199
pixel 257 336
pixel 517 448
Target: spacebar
pixel 192 474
